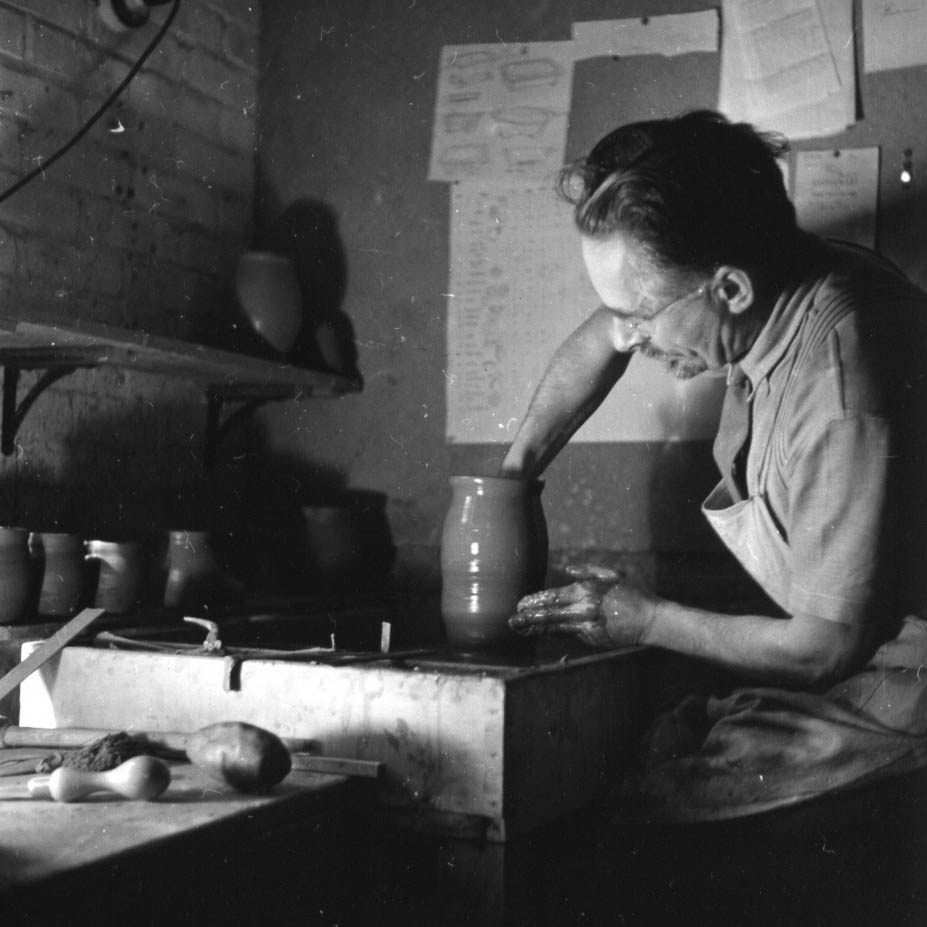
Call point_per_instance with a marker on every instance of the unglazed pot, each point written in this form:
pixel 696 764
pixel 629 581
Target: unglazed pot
pixel 17 584
pixel 267 292
pixel 64 576
pixel 493 552
pixel 121 576
pixel 192 568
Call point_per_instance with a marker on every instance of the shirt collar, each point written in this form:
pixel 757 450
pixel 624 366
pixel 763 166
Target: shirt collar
pixel 781 327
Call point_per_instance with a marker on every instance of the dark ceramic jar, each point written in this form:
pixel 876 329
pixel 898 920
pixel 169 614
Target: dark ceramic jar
pixel 493 552
pixel 16 576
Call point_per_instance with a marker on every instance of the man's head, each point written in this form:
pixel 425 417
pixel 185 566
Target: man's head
pixel 682 221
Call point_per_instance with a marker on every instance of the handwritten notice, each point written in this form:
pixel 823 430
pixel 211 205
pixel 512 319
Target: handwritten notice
pixel 676 34
pixel 894 34
pixel 501 111
pixel 836 193
pixel 789 67
pixel 517 288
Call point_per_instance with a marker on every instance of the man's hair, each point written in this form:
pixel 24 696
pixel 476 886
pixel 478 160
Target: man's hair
pixel 693 192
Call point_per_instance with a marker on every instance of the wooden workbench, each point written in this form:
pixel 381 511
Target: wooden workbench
pixel 200 852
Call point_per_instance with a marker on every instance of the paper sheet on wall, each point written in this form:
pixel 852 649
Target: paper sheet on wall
pixel 501 111
pixel 836 193
pixel 894 34
pixel 789 67
pixel 676 34
pixel 518 287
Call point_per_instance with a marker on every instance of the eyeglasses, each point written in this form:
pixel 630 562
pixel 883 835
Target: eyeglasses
pixel 639 325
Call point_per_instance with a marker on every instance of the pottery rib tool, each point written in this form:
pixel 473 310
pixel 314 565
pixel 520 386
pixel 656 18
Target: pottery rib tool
pixel 47 649
pixel 174 744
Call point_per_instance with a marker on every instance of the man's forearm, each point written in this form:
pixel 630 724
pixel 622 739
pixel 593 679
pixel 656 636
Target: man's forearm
pixel 581 374
pixel 791 651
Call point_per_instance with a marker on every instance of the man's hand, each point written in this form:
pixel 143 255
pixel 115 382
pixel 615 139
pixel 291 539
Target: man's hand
pixel 596 609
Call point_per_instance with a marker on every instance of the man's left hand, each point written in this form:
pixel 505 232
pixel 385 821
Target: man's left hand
pixel 596 609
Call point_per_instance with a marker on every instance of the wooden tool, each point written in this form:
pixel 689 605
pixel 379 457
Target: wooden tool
pixel 47 649
pixel 142 778
pixel 170 743
pixel 174 744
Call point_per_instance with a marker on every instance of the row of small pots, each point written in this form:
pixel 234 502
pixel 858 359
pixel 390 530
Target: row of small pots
pixel 48 573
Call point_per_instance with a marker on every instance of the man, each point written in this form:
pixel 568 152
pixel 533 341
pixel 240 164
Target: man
pixel 691 244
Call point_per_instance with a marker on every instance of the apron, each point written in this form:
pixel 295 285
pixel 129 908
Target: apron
pixel 764 748
pixel 746 526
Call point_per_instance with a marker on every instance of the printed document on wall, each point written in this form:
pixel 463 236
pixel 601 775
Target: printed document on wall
pixel 674 34
pixel 789 67
pixel 836 193
pixel 894 34
pixel 517 288
pixel 501 111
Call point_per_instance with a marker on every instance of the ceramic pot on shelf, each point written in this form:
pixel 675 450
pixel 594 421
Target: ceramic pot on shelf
pixel 268 295
pixel 64 576
pixel 17 576
pixel 493 552
pixel 121 574
pixel 195 577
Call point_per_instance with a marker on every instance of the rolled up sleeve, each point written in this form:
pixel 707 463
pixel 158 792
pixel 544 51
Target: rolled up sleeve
pixel 840 523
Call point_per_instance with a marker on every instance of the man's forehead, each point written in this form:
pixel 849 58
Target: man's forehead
pixel 617 264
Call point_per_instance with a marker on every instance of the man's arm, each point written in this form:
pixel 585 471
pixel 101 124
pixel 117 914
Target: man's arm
pixel 580 375
pixel 801 650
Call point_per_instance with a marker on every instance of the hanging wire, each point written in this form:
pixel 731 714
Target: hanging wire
pixel 107 103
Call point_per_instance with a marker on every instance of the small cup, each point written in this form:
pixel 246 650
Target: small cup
pixel 64 576
pixel 267 292
pixel 121 577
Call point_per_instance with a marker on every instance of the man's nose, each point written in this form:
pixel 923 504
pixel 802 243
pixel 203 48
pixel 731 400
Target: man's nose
pixel 634 337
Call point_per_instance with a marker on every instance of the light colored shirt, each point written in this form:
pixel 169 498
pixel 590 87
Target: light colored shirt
pixel 838 446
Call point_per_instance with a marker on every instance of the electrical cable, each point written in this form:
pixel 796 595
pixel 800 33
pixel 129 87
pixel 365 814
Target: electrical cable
pixel 107 103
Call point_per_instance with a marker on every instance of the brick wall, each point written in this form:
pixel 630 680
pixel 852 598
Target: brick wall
pixel 138 226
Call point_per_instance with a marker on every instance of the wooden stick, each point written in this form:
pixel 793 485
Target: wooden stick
pixel 174 743
pixel 336 765
pixel 75 737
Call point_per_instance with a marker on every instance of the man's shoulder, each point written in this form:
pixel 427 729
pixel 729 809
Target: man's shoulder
pixel 862 339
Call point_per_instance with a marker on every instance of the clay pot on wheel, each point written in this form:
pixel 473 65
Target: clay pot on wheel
pixel 493 552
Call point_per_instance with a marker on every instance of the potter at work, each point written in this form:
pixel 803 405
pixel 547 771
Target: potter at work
pixel 692 246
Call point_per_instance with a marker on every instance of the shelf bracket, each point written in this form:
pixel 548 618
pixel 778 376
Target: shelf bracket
pixel 13 414
pixel 249 400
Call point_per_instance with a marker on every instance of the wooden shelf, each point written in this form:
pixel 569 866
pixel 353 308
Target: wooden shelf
pixel 59 347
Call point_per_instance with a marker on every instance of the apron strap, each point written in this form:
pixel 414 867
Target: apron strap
pixel 733 439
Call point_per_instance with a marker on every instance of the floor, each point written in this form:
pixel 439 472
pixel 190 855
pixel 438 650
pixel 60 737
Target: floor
pixel 860 859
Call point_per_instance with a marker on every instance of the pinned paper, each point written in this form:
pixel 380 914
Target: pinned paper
pixel 894 33
pixel 780 78
pixel 518 287
pixel 676 34
pixel 836 193
pixel 501 111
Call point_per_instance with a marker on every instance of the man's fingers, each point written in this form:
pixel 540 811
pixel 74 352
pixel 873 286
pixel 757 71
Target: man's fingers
pixel 552 598
pixel 568 614
pixel 534 624
pixel 592 571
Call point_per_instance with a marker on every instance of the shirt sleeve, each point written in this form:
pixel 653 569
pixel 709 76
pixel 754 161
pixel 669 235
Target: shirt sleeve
pixel 841 520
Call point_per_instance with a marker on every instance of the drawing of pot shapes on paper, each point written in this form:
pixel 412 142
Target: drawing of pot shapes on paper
pixel 530 72
pixel 524 121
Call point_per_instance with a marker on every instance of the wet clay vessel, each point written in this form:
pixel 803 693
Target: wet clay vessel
pixel 493 551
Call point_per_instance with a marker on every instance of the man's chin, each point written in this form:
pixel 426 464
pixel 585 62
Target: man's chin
pixel 682 368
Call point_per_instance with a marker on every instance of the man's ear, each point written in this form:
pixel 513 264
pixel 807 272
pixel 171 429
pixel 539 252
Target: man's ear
pixel 733 288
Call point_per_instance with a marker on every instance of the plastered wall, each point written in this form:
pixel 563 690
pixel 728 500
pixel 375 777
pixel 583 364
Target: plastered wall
pixel 138 226
pixel 346 101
